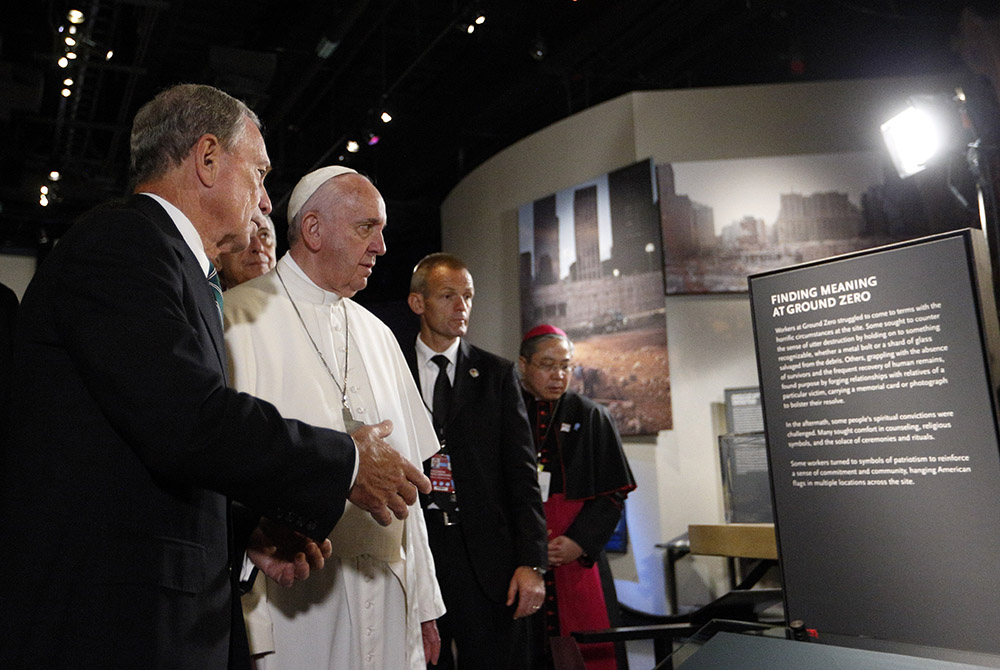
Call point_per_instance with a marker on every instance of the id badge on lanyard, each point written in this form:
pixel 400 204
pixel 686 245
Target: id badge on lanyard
pixel 440 475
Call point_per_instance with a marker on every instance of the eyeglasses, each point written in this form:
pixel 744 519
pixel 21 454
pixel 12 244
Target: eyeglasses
pixel 553 366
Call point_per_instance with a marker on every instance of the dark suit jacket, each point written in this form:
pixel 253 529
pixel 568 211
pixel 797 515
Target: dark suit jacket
pixel 126 449
pixel 493 460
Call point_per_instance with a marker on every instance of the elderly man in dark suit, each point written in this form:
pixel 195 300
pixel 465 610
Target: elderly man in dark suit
pixel 484 516
pixel 126 446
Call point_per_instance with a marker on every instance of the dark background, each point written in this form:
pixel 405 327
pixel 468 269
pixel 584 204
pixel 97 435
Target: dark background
pixel 456 98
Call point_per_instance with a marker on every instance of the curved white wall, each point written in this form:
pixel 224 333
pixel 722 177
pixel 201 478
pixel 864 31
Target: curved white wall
pixel 709 338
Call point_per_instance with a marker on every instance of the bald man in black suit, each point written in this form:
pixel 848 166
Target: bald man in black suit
pixel 488 537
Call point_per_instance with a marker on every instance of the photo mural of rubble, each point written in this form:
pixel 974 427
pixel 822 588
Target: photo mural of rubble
pixel 592 264
pixel 726 219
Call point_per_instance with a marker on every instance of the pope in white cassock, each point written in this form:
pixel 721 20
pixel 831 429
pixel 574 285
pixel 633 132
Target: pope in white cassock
pixel 296 339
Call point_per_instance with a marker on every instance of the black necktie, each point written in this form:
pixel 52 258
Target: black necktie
pixel 213 279
pixel 442 394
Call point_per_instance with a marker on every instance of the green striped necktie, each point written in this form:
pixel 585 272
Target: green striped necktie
pixel 213 279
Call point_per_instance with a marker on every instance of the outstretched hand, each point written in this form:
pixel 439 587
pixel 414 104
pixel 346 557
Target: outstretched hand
pixel 386 483
pixel 285 555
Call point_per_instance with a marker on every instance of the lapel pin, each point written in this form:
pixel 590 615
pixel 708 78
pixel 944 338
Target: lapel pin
pixel 473 372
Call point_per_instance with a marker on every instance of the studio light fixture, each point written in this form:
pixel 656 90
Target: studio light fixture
pixel 961 133
pixel 385 116
pixel 914 136
pixel 372 139
pixel 353 147
pixel 75 16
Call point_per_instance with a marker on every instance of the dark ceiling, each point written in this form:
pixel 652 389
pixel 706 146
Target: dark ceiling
pixel 456 98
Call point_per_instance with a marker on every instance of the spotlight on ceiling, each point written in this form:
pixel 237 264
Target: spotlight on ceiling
pixel 481 19
pixel 55 176
pixel 372 139
pixel 75 16
pixel 470 28
pixel 539 49
pixel 63 62
pixel 353 146
pixel 326 47
pixel 385 116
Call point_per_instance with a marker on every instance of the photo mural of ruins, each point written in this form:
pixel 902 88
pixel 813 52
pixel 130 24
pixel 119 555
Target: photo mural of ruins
pixel 723 220
pixel 592 264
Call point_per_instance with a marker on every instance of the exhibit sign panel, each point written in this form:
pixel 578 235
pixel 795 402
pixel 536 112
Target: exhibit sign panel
pixel 880 416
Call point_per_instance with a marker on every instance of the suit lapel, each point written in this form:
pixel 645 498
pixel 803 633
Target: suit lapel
pixel 207 308
pixel 194 277
pixel 464 381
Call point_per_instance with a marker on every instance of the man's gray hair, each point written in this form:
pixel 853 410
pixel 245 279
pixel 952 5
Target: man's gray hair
pixel 168 126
